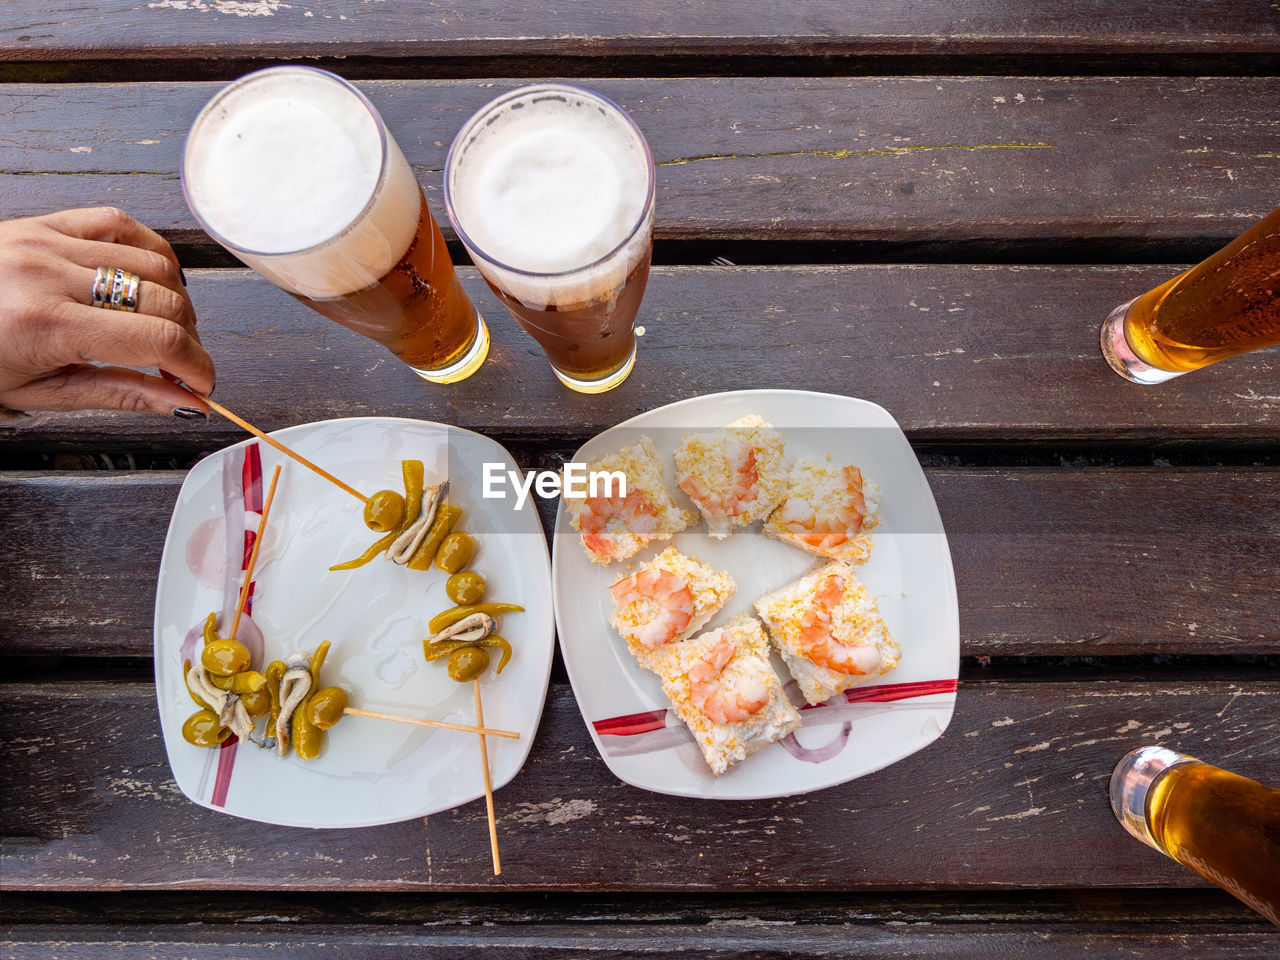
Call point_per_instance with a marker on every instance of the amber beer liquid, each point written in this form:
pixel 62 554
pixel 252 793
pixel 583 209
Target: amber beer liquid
pixel 1223 826
pixel 550 188
pixel 588 342
pixel 1228 304
pixel 293 171
pixel 417 310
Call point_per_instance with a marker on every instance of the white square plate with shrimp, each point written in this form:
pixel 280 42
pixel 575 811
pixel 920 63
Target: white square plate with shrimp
pixel 372 771
pixel 909 573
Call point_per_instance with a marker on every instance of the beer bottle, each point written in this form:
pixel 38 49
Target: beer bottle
pixel 1223 826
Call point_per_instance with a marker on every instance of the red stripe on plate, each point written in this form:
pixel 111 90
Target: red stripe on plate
pixel 251 492
pixel 899 691
pixel 226 763
pixel 632 723
pixel 251 479
pixel 637 723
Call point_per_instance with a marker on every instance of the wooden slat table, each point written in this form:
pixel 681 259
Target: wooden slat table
pixel 931 206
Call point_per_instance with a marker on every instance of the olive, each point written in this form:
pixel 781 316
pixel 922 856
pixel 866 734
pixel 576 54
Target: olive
pixel 305 737
pixel 258 703
pixel 223 658
pixel 384 511
pixel 326 705
pixel 467 663
pixel 202 729
pixel 455 552
pixel 248 681
pixel 465 586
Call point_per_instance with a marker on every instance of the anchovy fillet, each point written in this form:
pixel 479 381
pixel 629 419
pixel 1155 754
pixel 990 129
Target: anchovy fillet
pixel 406 545
pixel 294 686
pixel 470 628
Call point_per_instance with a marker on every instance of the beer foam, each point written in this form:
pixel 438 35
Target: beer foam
pixel 549 182
pixel 285 165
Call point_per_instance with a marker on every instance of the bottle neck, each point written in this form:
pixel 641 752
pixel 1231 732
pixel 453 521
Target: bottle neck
pixel 1131 783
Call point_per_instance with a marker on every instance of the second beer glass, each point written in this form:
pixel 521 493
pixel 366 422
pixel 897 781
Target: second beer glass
pixel 550 188
pixel 293 171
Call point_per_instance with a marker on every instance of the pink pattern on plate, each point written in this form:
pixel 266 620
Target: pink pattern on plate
pixel 239 499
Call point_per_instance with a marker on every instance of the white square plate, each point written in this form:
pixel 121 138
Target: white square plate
pixel 909 572
pixel 376 616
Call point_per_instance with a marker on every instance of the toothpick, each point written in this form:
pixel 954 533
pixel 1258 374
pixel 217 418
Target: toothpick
pixel 441 724
pixel 245 424
pixel 488 782
pixel 253 554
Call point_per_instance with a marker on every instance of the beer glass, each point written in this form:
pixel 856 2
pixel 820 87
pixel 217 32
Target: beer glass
pixel 1223 826
pixel 1226 305
pixel 292 170
pixel 550 188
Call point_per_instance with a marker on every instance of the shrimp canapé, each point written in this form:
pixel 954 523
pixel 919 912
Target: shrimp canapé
pixel 829 631
pixel 722 685
pixel 666 600
pixel 828 511
pixel 725 699
pixel 734 476
pixel 614 524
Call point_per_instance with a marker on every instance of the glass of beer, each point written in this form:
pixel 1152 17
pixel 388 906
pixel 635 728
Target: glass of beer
pixel 294 172
pixel 1223 826
pixel 550 188
pixel 1226 305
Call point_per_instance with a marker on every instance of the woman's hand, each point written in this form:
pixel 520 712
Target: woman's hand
pixel 52 338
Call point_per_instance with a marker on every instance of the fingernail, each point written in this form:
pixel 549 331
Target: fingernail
pixel 182 276
pixel 190 413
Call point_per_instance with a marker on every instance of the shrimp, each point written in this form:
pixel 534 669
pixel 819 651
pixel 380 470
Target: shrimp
pixel 723 702
pixel 818 643
pixel 604 518
pixel 744 481
pixel 801 520
pixel 653 607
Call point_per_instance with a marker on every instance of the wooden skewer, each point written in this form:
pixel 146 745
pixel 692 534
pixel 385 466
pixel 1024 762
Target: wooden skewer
pixel 253 554
pixel 443 725
pixel 245 424
pixel 488 782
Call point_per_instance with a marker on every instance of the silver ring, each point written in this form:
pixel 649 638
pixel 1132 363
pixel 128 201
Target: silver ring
pixel 115 289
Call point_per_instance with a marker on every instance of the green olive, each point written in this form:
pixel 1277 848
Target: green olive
pixel 384 511
pixel 467 663
pixel 248 681
pixel 222 658
pixel 258 704
pixel 326 705
pixel 455 552
pixel 465 586
pixel 202 729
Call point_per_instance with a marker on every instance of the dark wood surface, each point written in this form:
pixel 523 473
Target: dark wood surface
pixel 47 30
pixel 741 940
pixel 918 160
pixel 1027 545
pixel 933 205
pixel 1013 795
pixel 954 352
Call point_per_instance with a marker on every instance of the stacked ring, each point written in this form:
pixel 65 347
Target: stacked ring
pixel 115 289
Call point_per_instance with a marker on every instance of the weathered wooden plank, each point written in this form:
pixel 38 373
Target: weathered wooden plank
pixel 1013 796
pixel 51 30
pixel 1170 560
pixel 954 352
pixel 336 908
pixel 742 939
pixel 906 159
